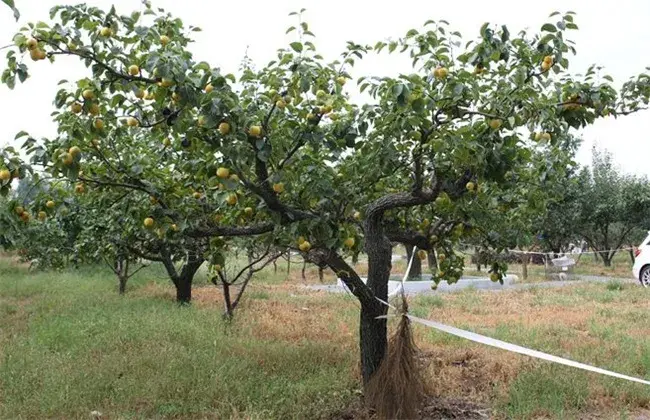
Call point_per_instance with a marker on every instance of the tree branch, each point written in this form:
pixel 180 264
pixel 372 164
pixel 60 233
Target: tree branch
pixel 348 276
pixel 91 56
pixel 408 238
pixel 138 269
pixel 231 230
pixel 143 255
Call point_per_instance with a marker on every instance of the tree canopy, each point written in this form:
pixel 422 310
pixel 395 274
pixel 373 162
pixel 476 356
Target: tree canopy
pixel 281 151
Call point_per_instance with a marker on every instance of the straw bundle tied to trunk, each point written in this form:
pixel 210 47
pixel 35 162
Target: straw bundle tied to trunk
pixel 397 389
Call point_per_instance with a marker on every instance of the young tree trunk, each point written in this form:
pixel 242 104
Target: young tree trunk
pixel 525 259
pixel 304 267
pixel 226 300
pixel 121 270
pixel 275 267
pixel 321 274
pixel 288 262
pixel 122 279
pixel 416 268
pixel 631 252
pixel 607 260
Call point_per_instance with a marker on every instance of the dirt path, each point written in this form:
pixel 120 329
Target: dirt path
pixel 510 283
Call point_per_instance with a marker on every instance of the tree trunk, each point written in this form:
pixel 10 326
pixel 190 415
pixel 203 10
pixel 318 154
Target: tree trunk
pixel 122 279
pixel 631 252
pixel 183 282
pixel 607 260
pixel 304 266
pixel 321 275
pixel 226 300
pixel 433 262
pixel 372 331
pixel 416 268
pixel 373 342
pixel 525 259
pixel 184 289
pixel 121 270
pixel 288 263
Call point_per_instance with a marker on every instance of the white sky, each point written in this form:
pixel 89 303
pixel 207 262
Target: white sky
pixel 615 34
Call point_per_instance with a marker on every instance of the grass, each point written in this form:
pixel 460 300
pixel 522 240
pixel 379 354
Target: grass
pixel 70 345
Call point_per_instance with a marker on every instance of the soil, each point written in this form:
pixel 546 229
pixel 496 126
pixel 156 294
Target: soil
pixel 433 409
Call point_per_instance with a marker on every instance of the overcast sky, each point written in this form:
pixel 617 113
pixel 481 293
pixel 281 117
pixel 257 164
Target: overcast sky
pixel 615 34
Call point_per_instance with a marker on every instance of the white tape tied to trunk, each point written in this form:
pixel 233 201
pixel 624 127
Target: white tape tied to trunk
pixel 518 349
pixel 478 338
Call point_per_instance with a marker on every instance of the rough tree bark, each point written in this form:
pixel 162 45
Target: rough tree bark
pixel 183 280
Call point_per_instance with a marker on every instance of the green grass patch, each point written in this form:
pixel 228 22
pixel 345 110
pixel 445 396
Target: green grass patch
pixel 82 348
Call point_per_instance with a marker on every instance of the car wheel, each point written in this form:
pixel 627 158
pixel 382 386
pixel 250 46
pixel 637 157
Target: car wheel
pixel 644 277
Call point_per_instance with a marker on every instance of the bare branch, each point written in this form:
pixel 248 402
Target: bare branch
pixel 138 269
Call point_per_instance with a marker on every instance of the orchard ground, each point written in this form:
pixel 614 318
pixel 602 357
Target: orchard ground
pixel 70 345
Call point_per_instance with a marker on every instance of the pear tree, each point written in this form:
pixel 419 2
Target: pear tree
pixel 281 150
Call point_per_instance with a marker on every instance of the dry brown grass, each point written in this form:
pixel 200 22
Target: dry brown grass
pixel 582 322
pixel 458 369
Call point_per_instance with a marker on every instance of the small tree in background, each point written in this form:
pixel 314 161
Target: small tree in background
pixel 613 206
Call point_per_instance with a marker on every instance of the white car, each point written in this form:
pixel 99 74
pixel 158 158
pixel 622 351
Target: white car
pixel 641 268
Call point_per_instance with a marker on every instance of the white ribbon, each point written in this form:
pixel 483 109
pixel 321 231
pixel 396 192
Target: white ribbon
pixel 478 338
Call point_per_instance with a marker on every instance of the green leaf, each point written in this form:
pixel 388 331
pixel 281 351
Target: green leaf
pixel 397 90
pixel 22 75
pixel 11 81
pixel 505 33
pixel 297 46
pixel 549 27
pixel 12 5
pixel 418 104
pixel 484 29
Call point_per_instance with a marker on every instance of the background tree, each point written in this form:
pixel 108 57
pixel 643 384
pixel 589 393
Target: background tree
pixel 612 206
